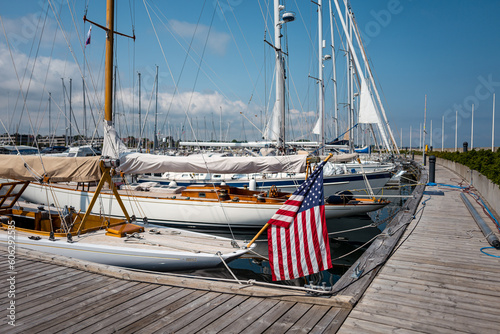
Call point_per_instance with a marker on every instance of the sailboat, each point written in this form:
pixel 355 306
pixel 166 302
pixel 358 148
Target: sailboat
pixel 193 206
pixel 99 238
pixel 340 174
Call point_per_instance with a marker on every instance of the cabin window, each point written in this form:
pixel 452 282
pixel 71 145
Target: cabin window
pixel 202 195
pixel 157 174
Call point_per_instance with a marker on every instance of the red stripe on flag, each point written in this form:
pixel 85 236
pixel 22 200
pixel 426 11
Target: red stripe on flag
pixel 289 250
pixel 298 242
pixel 307 256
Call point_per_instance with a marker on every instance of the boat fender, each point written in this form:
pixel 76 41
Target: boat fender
pixel 172 184
pixel 70 238
pixel 252 185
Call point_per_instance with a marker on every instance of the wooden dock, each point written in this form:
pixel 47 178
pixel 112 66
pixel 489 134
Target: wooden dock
pixel 54 294
pixel 424 274
pixel 437 281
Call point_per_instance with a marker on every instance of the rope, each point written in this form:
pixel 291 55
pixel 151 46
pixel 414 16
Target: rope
pixel 484 252
pixel 227 267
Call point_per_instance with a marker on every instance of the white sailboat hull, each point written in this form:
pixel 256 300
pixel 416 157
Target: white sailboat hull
pixel 180 212
pixel 130 257
pixel 332 184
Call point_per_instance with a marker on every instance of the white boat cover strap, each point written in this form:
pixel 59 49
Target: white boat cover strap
pixel 57 169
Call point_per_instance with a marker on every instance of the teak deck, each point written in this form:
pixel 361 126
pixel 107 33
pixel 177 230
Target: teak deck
pixel 437 281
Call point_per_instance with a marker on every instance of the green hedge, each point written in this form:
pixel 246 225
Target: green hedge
pixel 485 162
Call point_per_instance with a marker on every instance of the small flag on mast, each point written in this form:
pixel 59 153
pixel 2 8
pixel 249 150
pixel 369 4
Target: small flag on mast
pixel 87 42
pixel 298 238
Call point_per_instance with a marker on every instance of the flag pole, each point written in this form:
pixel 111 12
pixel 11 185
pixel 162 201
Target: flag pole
pixel 267 224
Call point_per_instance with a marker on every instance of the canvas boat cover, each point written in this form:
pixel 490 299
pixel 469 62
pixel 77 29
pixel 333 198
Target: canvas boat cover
pixel 137 163
pixel 57 169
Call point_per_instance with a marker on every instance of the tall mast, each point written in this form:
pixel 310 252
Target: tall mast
pixel 335 103
pixel 320 80
pixel 140 122
pixel 65 114
pixel 493 127
pixel 50 121
pixel 155 138
pixel 108 92
pixel 84 112
pixel 280 77
pixel 70 112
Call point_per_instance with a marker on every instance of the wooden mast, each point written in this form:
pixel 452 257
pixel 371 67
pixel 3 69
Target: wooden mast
pixel 108 93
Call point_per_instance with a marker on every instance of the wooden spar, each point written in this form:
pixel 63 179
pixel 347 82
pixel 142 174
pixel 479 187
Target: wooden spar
pixel 106 177
pixel 267 224
pixel 108 84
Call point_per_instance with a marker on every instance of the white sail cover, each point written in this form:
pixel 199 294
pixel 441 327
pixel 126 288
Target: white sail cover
pixel 316 130
pixel 138 163
pixel 112 146
pixel 367 112
pixel 272 129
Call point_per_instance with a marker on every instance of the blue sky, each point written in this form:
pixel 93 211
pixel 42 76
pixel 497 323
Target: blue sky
pixel 447 50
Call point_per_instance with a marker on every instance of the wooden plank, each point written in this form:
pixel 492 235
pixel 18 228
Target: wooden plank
pixel 367 326
pixel 41 306
pixel 287 320
pixel 482 312
pixel 85 315
pixel 131 311
pixel 310 319
pixel 27 279
pixel 424 316
pixel 446 281
pixel 332 325
pixel 215 313
pixel 247 319
pixel 189 313
pixel 267 319
pixel 433 292
pixel 395 263
pixel 408 323
pixel 443 262
pixel 170 313
pixel 31 295
pixel 221 323
pixel 64 304
pixel 175 301
pixel 443 299
pixel 115 310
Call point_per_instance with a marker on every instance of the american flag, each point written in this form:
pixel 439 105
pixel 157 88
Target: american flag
pixel 297 236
